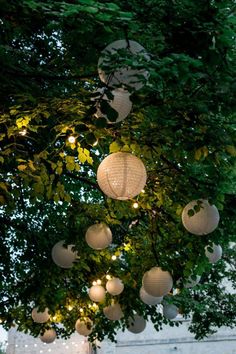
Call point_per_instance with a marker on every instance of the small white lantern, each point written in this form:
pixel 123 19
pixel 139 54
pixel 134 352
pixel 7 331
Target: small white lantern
pixel 136 324
pixel 157 282
pixel 113 312
pixel 121 176
pixel 97 293
pixel 115 286
pixel 64 257
pixel 204 221
pixel 190 283
pixel 84 327
pixel 40 317
pixel 170 311
pixel 98 236
pixel 149 299
pixel 214 256
pixel 48 336
pixel 123 75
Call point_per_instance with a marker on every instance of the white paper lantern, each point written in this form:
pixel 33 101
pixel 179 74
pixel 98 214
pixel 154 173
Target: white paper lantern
pixel 84 327
pixel 40 317
pixel 97 293
pixel 98 236
pixel 157 282
pixel 121 176
pixel 202 222
pixel 136 324
pixel 120 103
pixel 63 256
pixel 190 283
pixel 115 286
pixel 149 299
pixel 48 336
pixel 214 256
pixel 170 311
pixel 123 75
pixel 113 312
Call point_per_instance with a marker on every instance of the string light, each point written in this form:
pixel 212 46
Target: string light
pixel 94 283
pixel 99 282
pixel 113 257
pixel 23 132
pixel 108 277
pixel 70 308
pixel 81 310
pixel 135 205
pixel 71 139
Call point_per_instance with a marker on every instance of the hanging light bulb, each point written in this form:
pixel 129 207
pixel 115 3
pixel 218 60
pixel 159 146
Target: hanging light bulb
pixel 72 139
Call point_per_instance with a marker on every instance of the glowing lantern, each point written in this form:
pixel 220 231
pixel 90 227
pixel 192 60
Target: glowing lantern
pixel 98 236
pixel 149 299
pixel 157 282
pixel 64 257
pixel 84 327
pixel 113 312
pixel 170 311
pixel 97 293
pixel 200 222
pixel 136 324
pixel 48 336
pixel 190 282
pixel 115 286
pixel 121 176
pixel 40 317
pixel 214 256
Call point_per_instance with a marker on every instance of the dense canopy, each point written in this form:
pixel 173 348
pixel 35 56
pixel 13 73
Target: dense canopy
pixel 57 126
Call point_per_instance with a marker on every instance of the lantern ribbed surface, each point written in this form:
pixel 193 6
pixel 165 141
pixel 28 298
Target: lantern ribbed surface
pixel 115 286
pixel 113 312
pixel 214 256
pixel 98 236
pixel 149 299
pixel 157 282
pixel 63 256
pixel 40 317
pixel 136 324
pixel 202 222
pixel 97 293
pixel 170 311
pixel 121 176
pixel 190 282
pixel 122 75
pixel 84 327
pixel 48 336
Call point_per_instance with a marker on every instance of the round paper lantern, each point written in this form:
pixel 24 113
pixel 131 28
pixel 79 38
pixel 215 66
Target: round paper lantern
pixel 149 299
pixel 97 293
pixel 113 312
pixel 189 283
pixel 40 317
pixel 122 75
pixel 170 311
pixel 98 236
pixel 121 176
pixel 214 256
pixel 84 327
pixel 120 103
pixel 48 336
pixel 202 222
pixel 136 324
pixel 115 286
pixel 63 256
pixel 157 282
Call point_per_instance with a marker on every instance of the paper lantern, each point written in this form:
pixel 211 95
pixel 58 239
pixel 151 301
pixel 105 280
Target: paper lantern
pixel 84 327
pixel 115 286
pixel 120 103
pixel 48 336
pixel 98 236
pixel 157 282
pixel 64 257
pixel 97 293
pixel 136 324
pixel 40 317
pixel 214 256
pixel 122 75
pixel 170 311
pixel 190 283
pixel 113 312
pixel 121 176
pixel 202 222
pixel 149 299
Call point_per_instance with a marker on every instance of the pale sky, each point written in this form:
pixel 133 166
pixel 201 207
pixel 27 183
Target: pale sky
pixel 3 334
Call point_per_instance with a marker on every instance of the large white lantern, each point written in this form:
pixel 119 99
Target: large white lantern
pixel 115 286
pixel 121 175
pixel 170 311
pixel 214 256
pixel 136 324
pixel 113 312
pixel 48 336
pixel 84 326
pixel 64 257
pixel 157 282
pixel 40 317
pixel 149 299
pixel 123 75
pixel 98 236
pixel 190 282
pixel 203 221
pixel 97 293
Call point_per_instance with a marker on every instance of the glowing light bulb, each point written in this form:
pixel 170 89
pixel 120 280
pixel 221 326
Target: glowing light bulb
pixel 99 282
pixel 143 191
pixel 108 277
pixel 94 282
pixel 113 257
pixel 81 310
pixel 54 318
pixel 23 132
pixel 135 205
pixel 70 308
pixel 71 139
